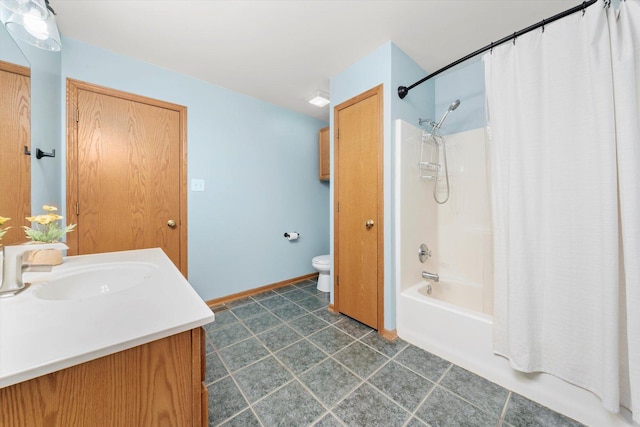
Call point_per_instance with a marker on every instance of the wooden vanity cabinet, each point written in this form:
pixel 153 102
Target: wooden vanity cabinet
pixel 156 384
pixel 324 166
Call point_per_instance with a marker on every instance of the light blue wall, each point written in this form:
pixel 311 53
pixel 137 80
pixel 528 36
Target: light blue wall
pixel 388 66
pixel 9 50
pixel 259 163
pixel 466 83
pixel 46 127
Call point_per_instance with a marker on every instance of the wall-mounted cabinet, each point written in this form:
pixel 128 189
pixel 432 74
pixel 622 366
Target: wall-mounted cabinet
pixel 323 154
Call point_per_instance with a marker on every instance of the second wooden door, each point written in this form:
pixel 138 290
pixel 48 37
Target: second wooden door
pixel 126 172
pixel 358 254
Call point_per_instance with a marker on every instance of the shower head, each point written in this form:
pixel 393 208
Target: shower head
pixel 452 107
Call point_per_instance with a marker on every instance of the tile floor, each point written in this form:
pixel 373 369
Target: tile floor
pixel 281 359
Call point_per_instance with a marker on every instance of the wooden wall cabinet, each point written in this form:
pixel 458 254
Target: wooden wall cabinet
pixel 324 165
pixel 155 384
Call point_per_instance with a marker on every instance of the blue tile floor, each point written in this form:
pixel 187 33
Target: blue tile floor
pixel 281 359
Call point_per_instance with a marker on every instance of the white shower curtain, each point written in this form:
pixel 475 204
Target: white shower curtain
pixel 564 115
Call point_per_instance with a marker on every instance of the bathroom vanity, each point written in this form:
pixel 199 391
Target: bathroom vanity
pixel 110 339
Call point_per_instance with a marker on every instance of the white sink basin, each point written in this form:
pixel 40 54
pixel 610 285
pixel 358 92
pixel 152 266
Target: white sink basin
pixel 95 281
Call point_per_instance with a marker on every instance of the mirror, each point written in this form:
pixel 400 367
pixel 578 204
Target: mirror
pixel 47 131
pixel 9 50
pixel 15 135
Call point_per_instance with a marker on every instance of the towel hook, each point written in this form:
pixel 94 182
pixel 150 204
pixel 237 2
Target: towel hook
pixel 40 154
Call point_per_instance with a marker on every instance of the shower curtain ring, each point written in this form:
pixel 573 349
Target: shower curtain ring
pixel 491 49
pixel 584 7
pixel 514 38
pixel 543 25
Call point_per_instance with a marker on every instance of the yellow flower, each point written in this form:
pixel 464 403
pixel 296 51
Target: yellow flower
pixel 47 228
pixel 3 220
pixel 43 219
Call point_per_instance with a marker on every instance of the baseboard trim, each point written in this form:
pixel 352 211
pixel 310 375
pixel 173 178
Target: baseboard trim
pixel 255 291
pixel 389 335
pixel 332 309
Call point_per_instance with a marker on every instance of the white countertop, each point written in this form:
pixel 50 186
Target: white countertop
pixel 40 336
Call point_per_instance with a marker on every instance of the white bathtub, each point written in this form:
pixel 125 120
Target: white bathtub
pixel 464 337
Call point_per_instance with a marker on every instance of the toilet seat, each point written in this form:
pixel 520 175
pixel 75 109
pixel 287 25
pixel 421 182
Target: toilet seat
pixel 322 260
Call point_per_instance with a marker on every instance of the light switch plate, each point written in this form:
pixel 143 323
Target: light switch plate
pixel 197 185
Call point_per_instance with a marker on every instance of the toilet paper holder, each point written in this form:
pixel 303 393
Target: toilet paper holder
pixel 294 235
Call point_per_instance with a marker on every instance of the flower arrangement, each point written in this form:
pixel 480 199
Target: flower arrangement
pixel 3 230
pixel 48 227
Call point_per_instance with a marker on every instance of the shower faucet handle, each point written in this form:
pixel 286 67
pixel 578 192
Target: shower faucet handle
pixel 423 252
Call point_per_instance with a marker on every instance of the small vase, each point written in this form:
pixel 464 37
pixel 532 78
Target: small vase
pixel 43 257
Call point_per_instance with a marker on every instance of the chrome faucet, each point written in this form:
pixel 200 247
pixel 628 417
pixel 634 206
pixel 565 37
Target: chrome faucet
pixel 430 276
pixel 12 266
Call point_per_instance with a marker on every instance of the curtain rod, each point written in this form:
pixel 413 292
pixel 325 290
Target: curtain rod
pixel 404 90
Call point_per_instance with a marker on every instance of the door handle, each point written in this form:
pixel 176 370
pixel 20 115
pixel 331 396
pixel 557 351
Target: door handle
pixel 171 223
pixel 369 223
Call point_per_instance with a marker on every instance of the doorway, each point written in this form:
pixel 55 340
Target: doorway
pixel 126 172
pixel 15 134
pixel 358 201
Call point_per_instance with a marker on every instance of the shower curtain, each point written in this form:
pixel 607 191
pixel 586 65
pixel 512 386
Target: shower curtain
pixel 563 109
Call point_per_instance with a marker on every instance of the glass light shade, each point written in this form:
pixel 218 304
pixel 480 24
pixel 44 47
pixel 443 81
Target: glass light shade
pixel 41 33
pixel 319 99
pixel 37 8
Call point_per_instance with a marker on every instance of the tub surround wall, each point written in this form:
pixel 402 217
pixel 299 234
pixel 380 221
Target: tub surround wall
pixel 458 233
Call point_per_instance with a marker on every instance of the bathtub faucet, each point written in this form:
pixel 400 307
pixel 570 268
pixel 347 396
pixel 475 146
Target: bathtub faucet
pixel 430 276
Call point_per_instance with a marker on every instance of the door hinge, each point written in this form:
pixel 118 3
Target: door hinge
pixel 77 115
pixel 338 207
pixel 77 208
pixel 337 280
pixel 338 133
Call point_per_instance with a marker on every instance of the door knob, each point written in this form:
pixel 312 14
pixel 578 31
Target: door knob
pixel 171 223
pixel 369 223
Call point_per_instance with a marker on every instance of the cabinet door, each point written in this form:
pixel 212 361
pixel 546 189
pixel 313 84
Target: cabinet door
pixel 146 386
pixel 323 154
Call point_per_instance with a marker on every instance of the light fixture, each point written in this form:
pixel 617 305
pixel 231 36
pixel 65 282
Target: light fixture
pixel 319 99
pixel 37 8
pixel 28 25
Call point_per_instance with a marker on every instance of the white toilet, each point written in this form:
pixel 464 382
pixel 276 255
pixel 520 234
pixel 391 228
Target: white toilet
pixel 322 263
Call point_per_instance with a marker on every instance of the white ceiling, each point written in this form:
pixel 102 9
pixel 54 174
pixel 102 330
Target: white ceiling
pixel 281 51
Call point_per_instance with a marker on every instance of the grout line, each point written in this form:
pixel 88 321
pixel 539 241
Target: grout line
pixel 503 414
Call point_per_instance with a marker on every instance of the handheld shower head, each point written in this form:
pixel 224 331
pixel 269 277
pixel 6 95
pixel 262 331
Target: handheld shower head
pixel 452 107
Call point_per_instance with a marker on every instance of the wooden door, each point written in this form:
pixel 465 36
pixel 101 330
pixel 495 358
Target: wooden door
pixel 15 135
pixel 127 172
pixel 358 219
